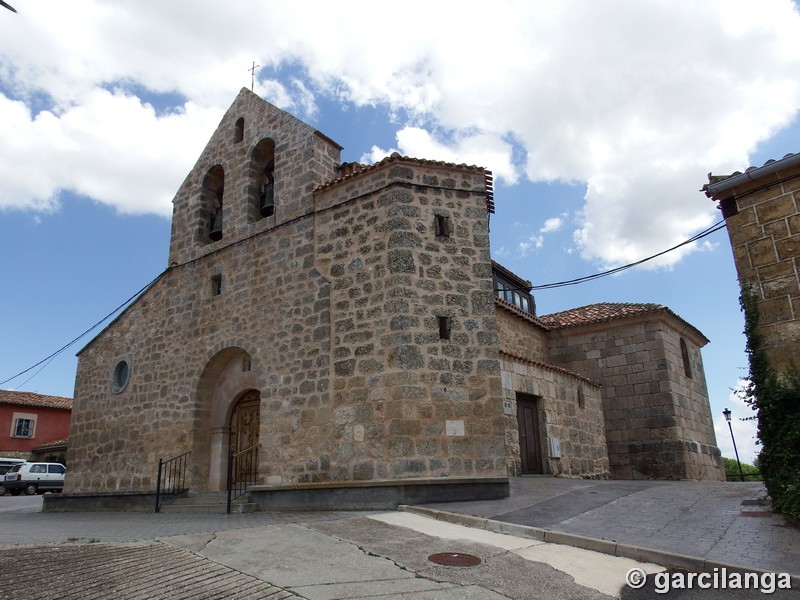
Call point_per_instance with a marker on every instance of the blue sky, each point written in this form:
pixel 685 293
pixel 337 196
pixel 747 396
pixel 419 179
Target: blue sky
pixel 599 128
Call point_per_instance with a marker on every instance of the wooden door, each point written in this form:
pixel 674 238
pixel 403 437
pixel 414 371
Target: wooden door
pixel 529 439
pixel 245 429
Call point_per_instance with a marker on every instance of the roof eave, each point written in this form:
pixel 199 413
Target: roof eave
pixel 721 188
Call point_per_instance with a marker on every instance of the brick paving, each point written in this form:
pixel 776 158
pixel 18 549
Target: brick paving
pixel 142 572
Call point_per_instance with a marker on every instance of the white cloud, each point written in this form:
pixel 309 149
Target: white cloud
pixel 109 147
pixel 638 101
pixel 552 224
pixel 473 149
pixel 536 241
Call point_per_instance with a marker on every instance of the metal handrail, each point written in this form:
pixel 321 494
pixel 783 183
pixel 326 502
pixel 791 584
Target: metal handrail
pixel 244 462
pixel 171 478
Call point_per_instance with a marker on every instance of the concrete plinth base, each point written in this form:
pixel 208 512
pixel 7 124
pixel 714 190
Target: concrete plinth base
pixel 108 502
pixel 377 495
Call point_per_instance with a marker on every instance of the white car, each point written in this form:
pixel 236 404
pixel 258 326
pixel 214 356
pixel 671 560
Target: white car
pixel 5 464
pixel 33 477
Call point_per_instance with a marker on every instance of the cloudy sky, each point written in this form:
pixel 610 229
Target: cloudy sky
pixel 600 121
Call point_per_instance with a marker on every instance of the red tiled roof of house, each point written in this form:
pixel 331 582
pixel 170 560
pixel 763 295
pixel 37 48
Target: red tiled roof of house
pixel 597 313
pixel 31 399
pixel 54 444
pixel 607 311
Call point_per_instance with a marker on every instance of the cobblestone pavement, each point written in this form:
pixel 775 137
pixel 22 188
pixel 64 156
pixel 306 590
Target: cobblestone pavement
pixel 712 520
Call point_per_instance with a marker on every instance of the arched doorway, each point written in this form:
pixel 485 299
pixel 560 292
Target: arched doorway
pixel 228 398
pixel 245 425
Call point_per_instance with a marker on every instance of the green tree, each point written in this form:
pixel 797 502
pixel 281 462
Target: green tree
pixel 750 472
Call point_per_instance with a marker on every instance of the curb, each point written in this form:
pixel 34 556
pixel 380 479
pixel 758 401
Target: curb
pixel 638 553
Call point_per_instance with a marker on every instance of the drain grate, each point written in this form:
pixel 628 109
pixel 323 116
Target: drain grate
pixel 454 559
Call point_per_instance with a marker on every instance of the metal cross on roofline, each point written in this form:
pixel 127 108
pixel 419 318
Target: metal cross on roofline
pixel 252 73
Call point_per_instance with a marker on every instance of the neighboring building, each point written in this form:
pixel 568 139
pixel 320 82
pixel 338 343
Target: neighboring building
pixel 55 451
pixel 658 420
pixel 349 322
pixel 762 210
pixel 28 420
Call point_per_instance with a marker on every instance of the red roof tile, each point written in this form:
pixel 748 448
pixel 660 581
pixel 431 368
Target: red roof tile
pixel 597 313
pixel 31 399
pixel 51 445
pixel 607 311
pixel 351 170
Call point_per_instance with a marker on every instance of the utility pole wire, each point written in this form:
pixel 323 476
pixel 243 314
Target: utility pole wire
pixel 81 336
pixel 547 286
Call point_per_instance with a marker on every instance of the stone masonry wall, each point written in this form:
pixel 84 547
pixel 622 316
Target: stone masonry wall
pixel 275 313
pixel 407 403
pixel 657 420
pixel 520 337
pixel 570 409
pixel 304 160
pixel 330 309
pixel 765 239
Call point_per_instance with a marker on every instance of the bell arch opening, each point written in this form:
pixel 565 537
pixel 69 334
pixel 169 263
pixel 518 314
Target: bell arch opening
pixel 263 173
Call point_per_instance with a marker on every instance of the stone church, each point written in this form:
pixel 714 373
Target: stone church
pixel 347 322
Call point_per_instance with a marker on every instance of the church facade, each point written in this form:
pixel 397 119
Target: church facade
pixel 348 323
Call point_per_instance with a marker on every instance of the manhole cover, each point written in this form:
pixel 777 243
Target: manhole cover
pixel 454 559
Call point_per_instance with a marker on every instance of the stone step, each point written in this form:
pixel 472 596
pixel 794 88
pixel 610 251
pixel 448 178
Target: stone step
pixel 207 502
pixel 236 508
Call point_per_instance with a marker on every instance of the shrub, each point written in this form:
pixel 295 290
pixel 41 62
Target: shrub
pixel 776 399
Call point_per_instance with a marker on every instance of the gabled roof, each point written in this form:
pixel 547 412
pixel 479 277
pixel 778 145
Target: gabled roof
pixel 605 312
pixel 34 400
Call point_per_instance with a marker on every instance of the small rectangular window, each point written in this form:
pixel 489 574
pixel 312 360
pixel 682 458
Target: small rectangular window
pixel 216 285
pixel 444 328
pixel 444 226
pixel 23 428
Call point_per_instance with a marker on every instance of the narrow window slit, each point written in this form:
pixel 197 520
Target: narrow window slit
pixel 216 285
pixel 444 328
pixel 444 226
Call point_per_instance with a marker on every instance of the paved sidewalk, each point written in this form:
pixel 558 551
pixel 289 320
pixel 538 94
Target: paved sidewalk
pixel 715 521
pixel 385 556
pixel 316 556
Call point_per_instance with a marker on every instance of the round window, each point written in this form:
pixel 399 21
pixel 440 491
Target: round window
pixel 120 376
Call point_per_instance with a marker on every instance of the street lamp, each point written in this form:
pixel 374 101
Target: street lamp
pixel 727 414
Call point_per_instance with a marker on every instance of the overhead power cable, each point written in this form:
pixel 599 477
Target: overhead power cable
pixel 547 286
pixel 49 358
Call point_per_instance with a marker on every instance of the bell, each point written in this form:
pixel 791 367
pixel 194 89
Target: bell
pixel 267 207
pixel 216 227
